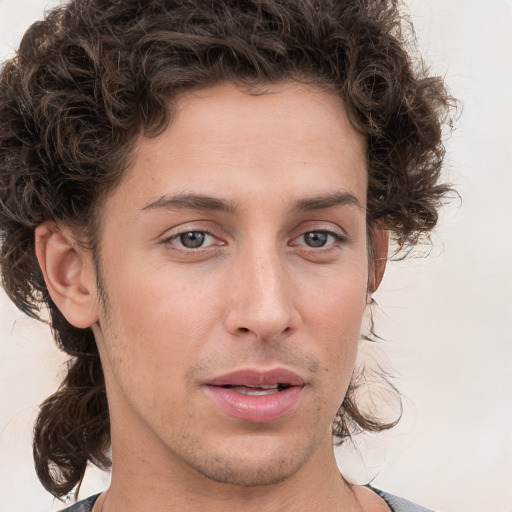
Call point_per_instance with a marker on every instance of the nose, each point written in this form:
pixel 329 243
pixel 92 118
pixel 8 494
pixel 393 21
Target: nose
pixel 262 302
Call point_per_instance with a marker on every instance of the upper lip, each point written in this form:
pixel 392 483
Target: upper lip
pixel 255 377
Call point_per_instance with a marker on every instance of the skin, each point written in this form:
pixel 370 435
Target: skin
pixel 256 294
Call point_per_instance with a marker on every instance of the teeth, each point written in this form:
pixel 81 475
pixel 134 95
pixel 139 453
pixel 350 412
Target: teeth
pixel 256 390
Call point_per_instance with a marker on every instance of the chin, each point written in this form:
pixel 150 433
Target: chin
pixel 259 462
pixel 247 473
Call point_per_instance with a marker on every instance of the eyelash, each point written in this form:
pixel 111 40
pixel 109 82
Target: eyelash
pixel 168 241
pixel 338 239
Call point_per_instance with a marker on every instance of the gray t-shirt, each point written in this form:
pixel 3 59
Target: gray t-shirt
pixel 395 503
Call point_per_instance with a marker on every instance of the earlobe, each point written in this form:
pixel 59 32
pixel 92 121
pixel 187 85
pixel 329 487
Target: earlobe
pixel 68 273
pixel 380 246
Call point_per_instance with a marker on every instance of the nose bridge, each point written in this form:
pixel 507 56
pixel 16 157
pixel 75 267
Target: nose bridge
pixel 262 304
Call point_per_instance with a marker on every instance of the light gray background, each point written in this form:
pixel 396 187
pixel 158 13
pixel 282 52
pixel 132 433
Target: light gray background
pixel 447 318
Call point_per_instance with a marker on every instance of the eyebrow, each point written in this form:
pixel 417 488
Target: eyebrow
pixel 208 203
pixel 192 202
pixel 326 201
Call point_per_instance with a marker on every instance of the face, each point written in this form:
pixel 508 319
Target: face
pixel 234 265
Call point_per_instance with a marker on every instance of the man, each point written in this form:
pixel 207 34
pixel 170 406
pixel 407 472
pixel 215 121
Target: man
pixel 202 193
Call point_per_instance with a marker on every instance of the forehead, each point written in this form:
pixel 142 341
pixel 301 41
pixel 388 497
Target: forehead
pixel 255 114
pixel 223 140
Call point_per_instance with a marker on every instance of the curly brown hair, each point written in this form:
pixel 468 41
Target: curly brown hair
pixel 96 74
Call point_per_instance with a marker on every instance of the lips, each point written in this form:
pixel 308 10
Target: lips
pixel 257 396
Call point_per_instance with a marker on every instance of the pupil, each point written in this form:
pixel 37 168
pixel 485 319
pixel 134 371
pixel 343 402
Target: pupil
pixel 316 238
pixel 192 239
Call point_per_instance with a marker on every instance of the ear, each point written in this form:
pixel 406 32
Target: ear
pixel 380 246
pixel 68 273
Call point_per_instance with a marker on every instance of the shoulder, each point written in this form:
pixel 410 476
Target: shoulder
pixel 82 506
pixel 397 504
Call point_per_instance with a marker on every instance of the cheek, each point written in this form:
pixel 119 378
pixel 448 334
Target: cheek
pixel 155 325
pixel 338 299
pixel 334 315
pixel 151 343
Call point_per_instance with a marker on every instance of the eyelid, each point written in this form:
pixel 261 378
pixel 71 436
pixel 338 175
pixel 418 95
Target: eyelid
pixel 169 240
pixel 211 229
pixel 205 226
pixel 178 235
pixel 337 236
pixel 202 226
pixel 324 226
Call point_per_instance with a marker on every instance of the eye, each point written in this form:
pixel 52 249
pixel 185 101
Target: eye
pixel 191 239
pixel 319 239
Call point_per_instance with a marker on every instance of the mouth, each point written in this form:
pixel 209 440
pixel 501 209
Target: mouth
pixel 257 396
pixel 258 390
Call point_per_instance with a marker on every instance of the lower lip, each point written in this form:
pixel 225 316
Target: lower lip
pixel 260 409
